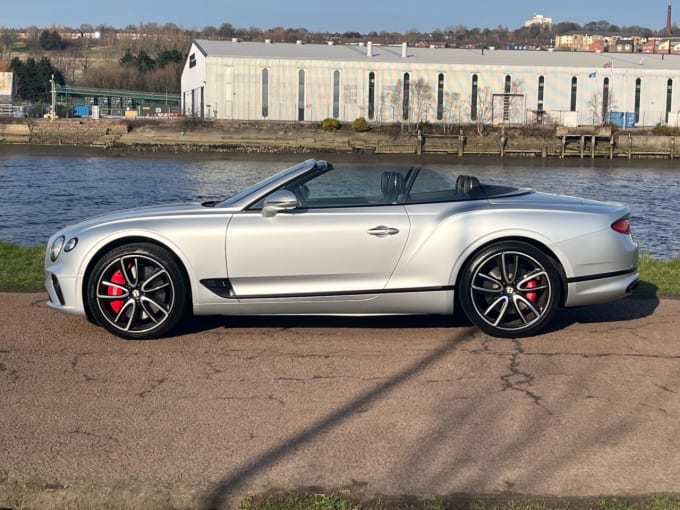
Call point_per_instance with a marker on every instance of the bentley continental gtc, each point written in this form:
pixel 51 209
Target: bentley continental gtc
pixel 318 240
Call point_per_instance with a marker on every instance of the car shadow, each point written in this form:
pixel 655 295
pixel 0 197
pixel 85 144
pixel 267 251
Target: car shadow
pixel 199 324
pixel 639 305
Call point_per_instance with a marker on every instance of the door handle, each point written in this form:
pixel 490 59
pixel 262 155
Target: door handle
pixel 382 231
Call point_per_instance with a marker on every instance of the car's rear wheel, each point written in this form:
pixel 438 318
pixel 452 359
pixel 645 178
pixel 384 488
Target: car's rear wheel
pixel 510 289
pixel 137 291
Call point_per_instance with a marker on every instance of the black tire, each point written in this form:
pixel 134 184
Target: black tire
pixel 137 291
pixel 510 289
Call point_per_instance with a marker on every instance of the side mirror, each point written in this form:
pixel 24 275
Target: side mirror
pixel 281 200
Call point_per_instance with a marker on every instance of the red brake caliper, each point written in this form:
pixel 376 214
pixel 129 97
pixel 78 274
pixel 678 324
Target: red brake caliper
pixel 119 279
pixel 531 296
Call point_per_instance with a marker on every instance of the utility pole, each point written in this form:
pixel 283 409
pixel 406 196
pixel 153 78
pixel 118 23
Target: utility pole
pixel 53 108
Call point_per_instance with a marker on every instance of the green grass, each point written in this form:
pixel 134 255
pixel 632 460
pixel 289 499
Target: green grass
pixel 299 502
pixel 308 501
pixel 659 277
pixel 21 268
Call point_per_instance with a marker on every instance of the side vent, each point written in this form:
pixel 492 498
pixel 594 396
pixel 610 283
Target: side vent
pixel 220 286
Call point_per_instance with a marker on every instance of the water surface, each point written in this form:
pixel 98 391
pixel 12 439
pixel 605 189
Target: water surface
pixel 39 194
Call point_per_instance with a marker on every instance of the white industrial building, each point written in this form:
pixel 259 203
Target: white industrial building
pixel 7 88
pixel 386 84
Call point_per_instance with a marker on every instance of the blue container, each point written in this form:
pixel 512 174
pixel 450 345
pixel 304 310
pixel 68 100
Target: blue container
pixel 81 110
pixel 629 120
pixel 616 118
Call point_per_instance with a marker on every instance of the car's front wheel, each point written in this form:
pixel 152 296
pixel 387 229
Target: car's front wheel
pixel 137 291
pixel 510 289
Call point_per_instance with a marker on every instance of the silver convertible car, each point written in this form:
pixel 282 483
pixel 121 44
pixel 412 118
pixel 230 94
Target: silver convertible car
pixel 319 240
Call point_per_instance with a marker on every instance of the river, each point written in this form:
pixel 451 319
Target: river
pixel 41 193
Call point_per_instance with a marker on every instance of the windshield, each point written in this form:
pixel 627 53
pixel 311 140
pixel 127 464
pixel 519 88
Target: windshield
pixel 262 184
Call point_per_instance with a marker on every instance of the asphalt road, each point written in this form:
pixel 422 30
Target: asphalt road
pixel 423 406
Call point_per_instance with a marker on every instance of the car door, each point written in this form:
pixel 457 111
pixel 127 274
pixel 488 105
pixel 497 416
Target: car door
pixel 341 240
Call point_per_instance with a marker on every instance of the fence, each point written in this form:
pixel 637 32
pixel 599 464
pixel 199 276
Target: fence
pixel 10 110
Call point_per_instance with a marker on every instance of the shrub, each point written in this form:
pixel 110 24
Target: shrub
pixel 662 130
pixel 360 125
pixel 329 124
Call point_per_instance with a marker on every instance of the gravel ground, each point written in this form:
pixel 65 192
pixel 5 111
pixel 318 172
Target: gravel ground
pixel 420 406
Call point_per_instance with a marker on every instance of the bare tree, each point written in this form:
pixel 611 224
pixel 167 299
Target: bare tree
pixel 600 105
pixel 452 112
pixel 6 42
pixel 594 105
pixel 421 99
pixel 411 104
pixel 483 109
pixel 517 101
pixel 394 98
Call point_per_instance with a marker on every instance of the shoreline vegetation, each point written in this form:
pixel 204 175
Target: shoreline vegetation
pixel 21 270
pixel 191 136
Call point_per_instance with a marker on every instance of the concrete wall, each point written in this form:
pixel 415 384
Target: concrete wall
pixel 7 88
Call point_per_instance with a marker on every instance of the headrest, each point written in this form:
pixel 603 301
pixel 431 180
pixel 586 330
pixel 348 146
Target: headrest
pixel 467 183
pixel 392 183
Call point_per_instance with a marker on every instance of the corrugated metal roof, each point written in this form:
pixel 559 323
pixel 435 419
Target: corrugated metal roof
pixel 523 58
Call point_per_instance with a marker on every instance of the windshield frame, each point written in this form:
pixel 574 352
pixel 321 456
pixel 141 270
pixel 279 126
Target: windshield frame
pixel 263 187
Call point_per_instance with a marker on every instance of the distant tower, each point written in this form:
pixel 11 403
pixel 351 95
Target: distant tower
pixel 668 19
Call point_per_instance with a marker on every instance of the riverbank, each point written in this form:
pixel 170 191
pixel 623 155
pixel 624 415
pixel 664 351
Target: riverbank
pixel 191 136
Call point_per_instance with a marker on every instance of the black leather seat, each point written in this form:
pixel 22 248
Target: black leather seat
pixel 467 184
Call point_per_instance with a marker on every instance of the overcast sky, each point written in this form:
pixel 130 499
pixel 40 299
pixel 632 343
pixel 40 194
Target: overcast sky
pixel 329 15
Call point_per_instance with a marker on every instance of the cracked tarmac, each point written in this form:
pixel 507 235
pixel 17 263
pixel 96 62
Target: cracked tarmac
pixel 424 406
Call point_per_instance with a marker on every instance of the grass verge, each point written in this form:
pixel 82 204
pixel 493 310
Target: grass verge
pixel 21 269
pixel 660 277
pixel 307 501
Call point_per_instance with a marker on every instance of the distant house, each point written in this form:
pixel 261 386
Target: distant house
pixel 598 46
pixel 624 46
pixel 613 42
pixel 662 46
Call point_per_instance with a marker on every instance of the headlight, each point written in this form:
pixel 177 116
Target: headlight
pixel 70 244
pixel 55 250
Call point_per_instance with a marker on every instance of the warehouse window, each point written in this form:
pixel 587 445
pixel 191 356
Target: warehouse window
pixel 371 95
pixel 539 105
pixel 407 80
pixel 574 86
pixel 605 99
pixel 336 94
pixel 506 99
pixel 301 95
pixel 638 89
pixel 669 97
pixel 473 98
pixel 440 96
pixel 265 93
pixel 192 60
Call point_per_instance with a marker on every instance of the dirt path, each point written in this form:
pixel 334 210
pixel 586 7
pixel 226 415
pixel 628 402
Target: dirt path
pixel 419 406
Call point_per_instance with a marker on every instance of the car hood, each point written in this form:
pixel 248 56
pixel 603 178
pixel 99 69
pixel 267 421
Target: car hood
pixel 155 212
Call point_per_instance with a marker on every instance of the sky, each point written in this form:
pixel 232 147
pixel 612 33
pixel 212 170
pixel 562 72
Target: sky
pixel 329 15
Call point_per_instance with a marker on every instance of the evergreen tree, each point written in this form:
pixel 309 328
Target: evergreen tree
pixel 33 78
pixel 144 62
pixel 166 57
pixel 51 40
pixel 128 59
